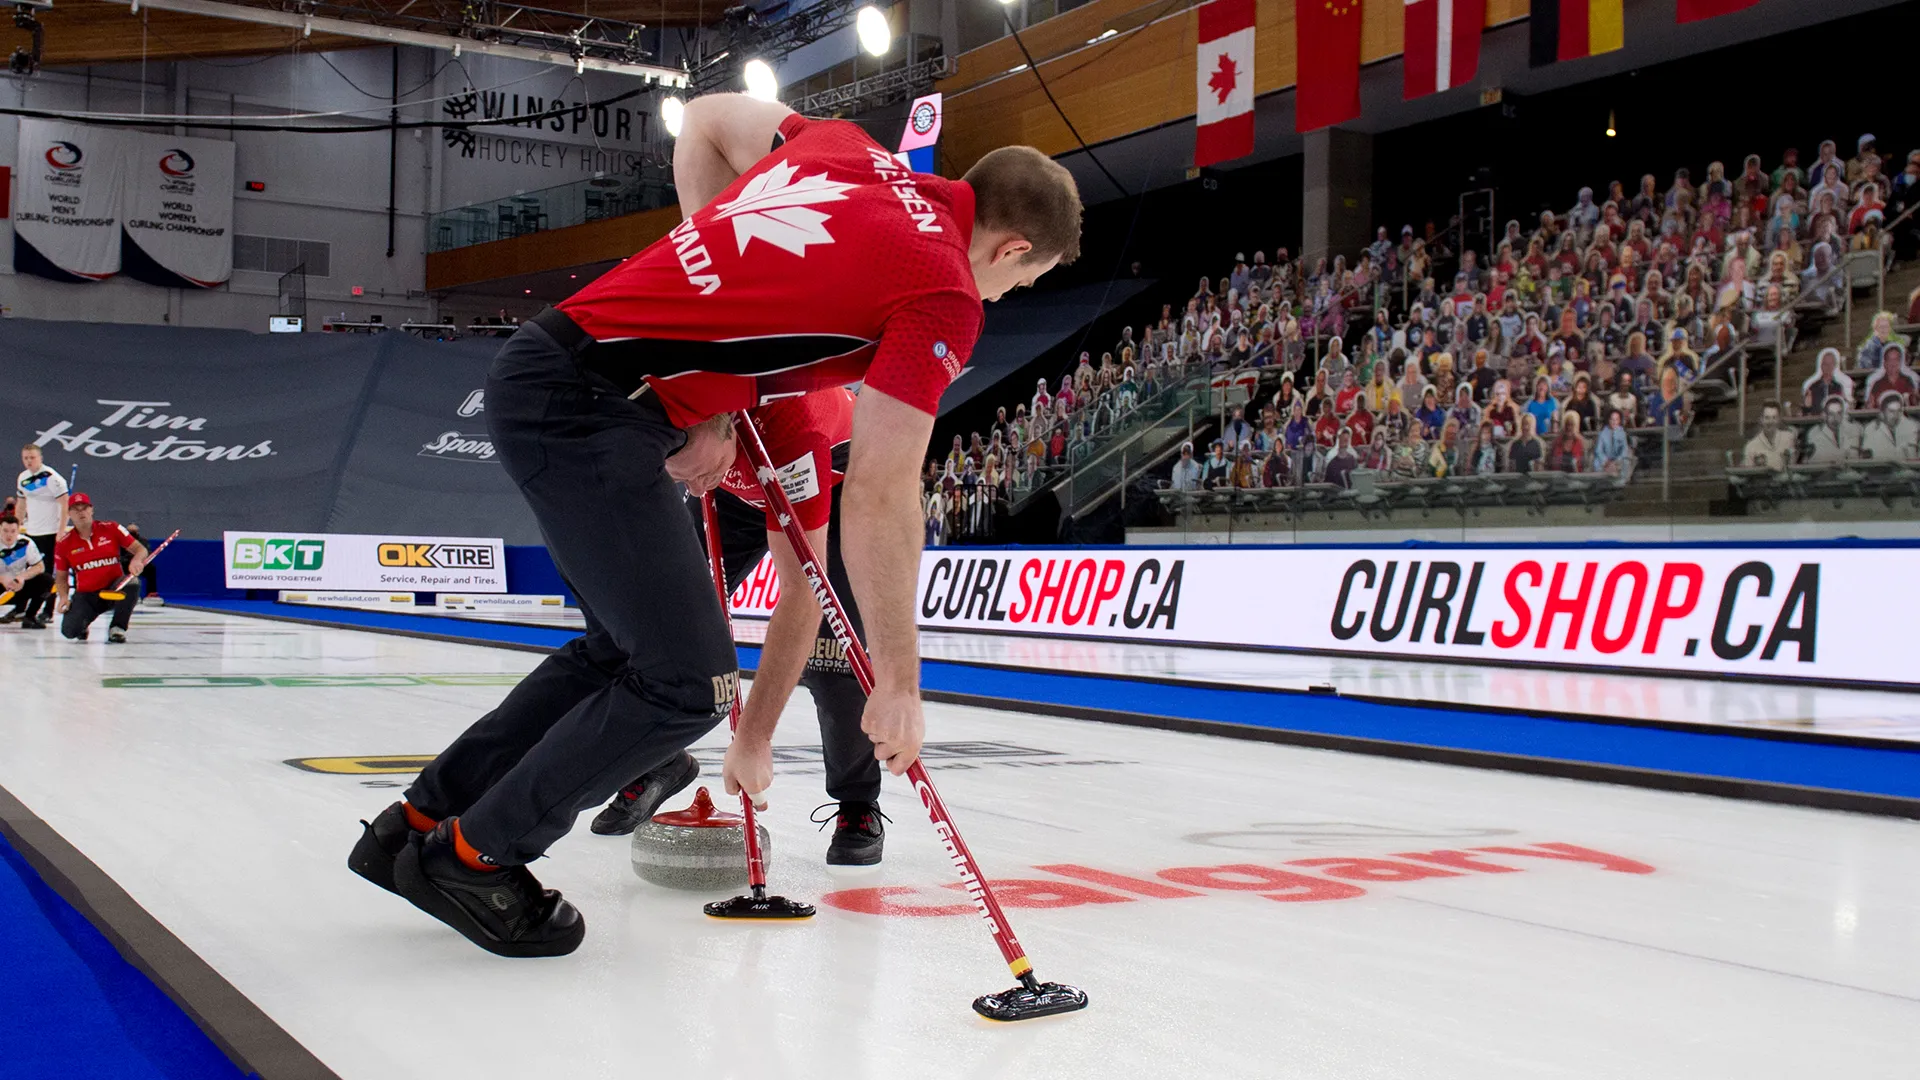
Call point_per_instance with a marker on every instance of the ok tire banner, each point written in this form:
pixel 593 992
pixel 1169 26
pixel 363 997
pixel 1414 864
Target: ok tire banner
pixel 179 211
pixel 1827 612
pixel 67 197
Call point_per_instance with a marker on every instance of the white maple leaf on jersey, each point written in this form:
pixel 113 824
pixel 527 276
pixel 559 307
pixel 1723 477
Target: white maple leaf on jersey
pixel 775 207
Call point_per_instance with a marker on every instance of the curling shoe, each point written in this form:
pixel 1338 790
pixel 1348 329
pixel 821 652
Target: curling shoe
pixel 380 842
pixel 504 910
pixel 859 835
pixel 641 799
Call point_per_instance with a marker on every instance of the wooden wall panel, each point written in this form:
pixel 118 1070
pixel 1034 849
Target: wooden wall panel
pixel 1137 80
pixel 88 32
pixel 556 249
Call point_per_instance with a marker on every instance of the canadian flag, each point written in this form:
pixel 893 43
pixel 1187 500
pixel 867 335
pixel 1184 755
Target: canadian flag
pixel 1442 44
pixel 1224 78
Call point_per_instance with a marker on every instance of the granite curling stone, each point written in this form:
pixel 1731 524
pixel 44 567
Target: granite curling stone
pixel 701 848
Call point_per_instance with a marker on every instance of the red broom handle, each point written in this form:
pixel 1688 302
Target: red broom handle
pixel 151 555
pixel 756 863
pixel 842 627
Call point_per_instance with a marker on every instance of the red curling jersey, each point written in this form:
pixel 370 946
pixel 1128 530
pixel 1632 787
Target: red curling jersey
pixel 801 435
pixel 828 263
pixel 94 558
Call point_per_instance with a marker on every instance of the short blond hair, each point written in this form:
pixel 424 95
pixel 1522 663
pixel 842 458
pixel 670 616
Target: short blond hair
pixel 1021 190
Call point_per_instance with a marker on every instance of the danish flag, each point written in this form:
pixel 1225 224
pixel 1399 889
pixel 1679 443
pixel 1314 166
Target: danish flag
pixel 1442 44
pixel 1224 77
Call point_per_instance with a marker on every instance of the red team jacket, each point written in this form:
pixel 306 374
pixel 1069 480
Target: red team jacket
pixel 801 435
pixel 94 559
pixel 827 264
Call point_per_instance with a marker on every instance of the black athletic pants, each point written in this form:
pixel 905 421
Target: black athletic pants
pixel 31 590
pixel 655 669
pixel 84 607
pixel 853 773
pixel 45 606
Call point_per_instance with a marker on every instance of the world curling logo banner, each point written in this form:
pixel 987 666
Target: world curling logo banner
pixel 348 561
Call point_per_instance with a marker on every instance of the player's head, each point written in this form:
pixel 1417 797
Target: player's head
pixel 9 529
pixel 30 455
pixel 1026 219
pixel 80 511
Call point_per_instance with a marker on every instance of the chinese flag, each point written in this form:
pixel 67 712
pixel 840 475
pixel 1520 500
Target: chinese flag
pixel 1687 11
pixel 1327 49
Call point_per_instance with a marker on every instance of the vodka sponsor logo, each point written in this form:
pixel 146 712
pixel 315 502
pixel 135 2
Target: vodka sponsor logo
pixel 141 431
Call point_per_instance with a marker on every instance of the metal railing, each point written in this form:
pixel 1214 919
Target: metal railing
pixel 1190 394
pixel 522 213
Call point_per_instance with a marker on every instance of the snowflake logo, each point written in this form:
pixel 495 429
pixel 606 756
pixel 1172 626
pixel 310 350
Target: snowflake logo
pixel 460 108
pixel 776 207
pixel 1224 78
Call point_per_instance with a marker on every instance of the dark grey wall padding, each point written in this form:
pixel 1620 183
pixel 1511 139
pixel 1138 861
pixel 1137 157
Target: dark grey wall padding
pixel 208 430
pixel 421 461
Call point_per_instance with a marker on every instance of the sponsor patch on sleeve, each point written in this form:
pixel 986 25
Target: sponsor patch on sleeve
pixel 800 479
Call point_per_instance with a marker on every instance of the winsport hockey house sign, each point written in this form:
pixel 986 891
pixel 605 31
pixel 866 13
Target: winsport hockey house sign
pixel 1785 611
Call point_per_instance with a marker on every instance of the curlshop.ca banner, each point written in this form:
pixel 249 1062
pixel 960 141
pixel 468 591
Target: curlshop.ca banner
pixel 1789 611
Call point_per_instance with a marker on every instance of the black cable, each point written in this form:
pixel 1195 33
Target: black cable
pixel 1007 13
pixel 322 54
pixel 342 129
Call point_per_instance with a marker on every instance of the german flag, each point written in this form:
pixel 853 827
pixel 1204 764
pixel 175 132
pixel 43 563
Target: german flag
pixel 1571 29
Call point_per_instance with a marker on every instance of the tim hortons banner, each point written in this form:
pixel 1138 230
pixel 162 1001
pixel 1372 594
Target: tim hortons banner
pixel 67 200
pixel 1787 611
pixel 179 211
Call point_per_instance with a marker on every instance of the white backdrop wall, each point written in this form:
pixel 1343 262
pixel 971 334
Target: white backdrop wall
pixel 331 188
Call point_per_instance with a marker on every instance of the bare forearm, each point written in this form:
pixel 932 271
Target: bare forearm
pixel 883 565
pixel 791 632
pixel 700 173
pixel 721 137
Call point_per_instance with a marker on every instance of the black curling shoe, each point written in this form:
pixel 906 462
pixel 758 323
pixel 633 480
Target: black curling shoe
pixel 504 911
pixel 859 833
pixel 380 842
pixel 639 800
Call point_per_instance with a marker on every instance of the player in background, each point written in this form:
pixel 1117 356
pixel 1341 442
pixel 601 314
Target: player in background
pixel 91 549
pixel 807 258
pixel 807 439
pixel 40 501
pixel 23 572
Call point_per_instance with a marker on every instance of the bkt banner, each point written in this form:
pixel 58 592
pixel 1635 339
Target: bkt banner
pixel 269 560
pixel 1787 611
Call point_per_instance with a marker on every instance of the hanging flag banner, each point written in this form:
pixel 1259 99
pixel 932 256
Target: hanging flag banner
pixel 1687 11
pixel 179 211
pixel 923 131
pixel 66 200
pixel 1442 44
pixel 1224 82
pixel 1327 55
pixel 1571 29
